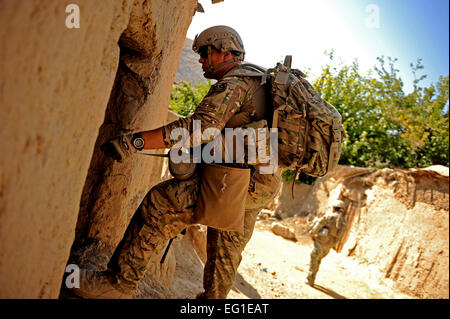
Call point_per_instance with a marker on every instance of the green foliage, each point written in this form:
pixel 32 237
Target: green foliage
pixel 288 175
pixel 185 98
pixel 385 126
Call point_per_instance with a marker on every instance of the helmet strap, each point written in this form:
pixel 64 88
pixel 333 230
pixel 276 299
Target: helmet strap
pixel 212 70
pixel 209 56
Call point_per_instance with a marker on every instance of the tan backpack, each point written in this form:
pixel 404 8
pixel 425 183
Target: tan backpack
pixel 310 129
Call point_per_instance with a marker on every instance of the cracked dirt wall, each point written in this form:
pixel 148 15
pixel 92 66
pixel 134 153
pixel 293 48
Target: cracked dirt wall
pixel 55 84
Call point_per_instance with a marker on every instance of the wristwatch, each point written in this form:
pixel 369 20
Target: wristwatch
pixel 138 141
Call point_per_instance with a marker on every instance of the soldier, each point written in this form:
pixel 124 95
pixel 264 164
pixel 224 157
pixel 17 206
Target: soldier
pixel 168 208
pixel 326 232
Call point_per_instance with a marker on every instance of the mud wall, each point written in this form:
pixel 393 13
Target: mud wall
pixel 398 221
pixel 58 102
pixel 290 201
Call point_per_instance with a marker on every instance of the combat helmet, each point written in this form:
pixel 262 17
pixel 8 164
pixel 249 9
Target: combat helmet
pixel 223 38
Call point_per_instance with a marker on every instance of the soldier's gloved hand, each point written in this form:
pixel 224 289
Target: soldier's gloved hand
pixel 120 147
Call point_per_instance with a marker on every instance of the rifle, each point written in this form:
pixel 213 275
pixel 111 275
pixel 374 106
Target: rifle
pixel 180 171
pixel 183 232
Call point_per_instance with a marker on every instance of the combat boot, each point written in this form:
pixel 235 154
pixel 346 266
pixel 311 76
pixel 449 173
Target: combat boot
pixel 310 279
pixel 99 285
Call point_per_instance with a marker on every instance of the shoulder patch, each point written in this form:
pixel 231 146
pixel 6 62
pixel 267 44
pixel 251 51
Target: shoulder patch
pixel 218 87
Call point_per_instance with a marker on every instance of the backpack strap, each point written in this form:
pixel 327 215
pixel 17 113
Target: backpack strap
pixel 254 67
pixel 248 69
pixel 288 61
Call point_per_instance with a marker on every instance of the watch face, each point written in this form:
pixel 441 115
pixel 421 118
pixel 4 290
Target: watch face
pixel 138 143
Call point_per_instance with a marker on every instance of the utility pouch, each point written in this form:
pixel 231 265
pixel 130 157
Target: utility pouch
pixel 180 170
pixel 223 192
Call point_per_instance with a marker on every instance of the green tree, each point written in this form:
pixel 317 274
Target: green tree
pixel 185 98
pixel 386 127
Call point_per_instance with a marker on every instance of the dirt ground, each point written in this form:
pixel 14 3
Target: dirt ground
pixel 274 267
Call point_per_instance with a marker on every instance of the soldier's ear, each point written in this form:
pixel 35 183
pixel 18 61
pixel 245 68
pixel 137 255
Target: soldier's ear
pixel 228 55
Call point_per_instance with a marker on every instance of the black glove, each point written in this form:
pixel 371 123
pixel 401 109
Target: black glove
pixel 122 146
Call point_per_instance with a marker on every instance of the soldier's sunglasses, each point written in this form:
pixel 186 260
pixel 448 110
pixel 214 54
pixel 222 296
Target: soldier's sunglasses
pixel 203 51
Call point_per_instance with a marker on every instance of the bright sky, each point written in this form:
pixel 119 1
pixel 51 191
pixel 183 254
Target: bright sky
pixel 355 29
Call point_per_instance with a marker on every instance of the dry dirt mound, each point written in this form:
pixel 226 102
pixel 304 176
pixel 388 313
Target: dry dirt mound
pixel 396 245
pixel 398 223
pixel 274 267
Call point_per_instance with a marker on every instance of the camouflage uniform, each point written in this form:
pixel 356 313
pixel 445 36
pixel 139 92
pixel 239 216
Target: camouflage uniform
pixel 168 207
pixel 326 232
